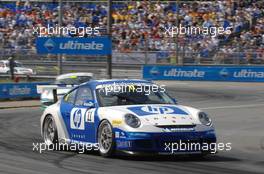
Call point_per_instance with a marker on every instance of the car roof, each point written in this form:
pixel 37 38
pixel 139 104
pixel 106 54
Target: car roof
pixel 94 83
pixel 63 76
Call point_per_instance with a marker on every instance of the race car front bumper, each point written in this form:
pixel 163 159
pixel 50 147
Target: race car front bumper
pixel 167 142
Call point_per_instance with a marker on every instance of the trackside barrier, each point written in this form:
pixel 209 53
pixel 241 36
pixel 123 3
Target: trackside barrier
pixel 205 73
pixel 19 90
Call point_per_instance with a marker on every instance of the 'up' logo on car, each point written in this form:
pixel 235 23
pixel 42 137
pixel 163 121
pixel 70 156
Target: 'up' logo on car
pixel 152 109
pixel 157 110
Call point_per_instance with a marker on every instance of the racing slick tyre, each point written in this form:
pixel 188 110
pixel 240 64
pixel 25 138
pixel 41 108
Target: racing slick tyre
pixel 106 139
pixel 50 133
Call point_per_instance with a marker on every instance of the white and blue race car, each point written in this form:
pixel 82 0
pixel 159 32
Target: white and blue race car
pixel 132 116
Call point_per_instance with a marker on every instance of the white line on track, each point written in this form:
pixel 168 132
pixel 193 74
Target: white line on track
pixel 234 106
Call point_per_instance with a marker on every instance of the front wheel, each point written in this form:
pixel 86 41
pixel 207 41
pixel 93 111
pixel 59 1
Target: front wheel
pixel 106 139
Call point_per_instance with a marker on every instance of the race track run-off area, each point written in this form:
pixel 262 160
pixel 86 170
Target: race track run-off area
pixel 237 110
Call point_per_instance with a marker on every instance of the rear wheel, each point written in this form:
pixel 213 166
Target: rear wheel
pixel 50 133
pixel 106 139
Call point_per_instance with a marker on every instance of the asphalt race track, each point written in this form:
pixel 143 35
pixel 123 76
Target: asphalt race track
pixel 236 108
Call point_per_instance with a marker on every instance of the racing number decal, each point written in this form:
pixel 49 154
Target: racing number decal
pixel 79 116
pixel 89 116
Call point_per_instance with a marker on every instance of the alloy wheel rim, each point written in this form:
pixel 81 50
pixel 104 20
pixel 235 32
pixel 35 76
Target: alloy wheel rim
pixel 49 132
pixel 105 138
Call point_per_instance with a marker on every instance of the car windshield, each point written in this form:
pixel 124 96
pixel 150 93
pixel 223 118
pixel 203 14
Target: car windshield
pixel 132 97
pixel 74 80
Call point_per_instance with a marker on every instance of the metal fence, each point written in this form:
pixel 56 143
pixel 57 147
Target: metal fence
pixel 244 57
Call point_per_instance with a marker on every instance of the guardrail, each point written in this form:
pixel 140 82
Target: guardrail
pixel 205 73
pixel 19 90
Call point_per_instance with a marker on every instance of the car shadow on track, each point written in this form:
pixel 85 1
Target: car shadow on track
pixel 180 158
pixel 160 158
pixel 175 158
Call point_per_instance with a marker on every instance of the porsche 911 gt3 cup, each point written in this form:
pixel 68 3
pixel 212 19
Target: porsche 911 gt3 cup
pixel 132 116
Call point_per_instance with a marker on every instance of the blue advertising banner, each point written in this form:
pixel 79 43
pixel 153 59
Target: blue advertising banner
pixel 19 90
pixel 66 45
pixel 205 73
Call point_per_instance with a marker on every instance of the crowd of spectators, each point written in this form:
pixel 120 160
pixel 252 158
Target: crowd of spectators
pixel 139 25
pixel 248 46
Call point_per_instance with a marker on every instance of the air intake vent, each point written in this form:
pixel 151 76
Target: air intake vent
pixel 175 126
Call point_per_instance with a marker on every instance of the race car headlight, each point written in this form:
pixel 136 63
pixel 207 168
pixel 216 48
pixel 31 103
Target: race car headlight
pixel 132 120
pixel 205 119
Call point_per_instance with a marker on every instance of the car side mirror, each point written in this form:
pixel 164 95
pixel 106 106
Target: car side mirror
pixel 175 101
pixel 89 103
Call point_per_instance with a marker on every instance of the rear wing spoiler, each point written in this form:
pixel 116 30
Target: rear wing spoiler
pixel 54 88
